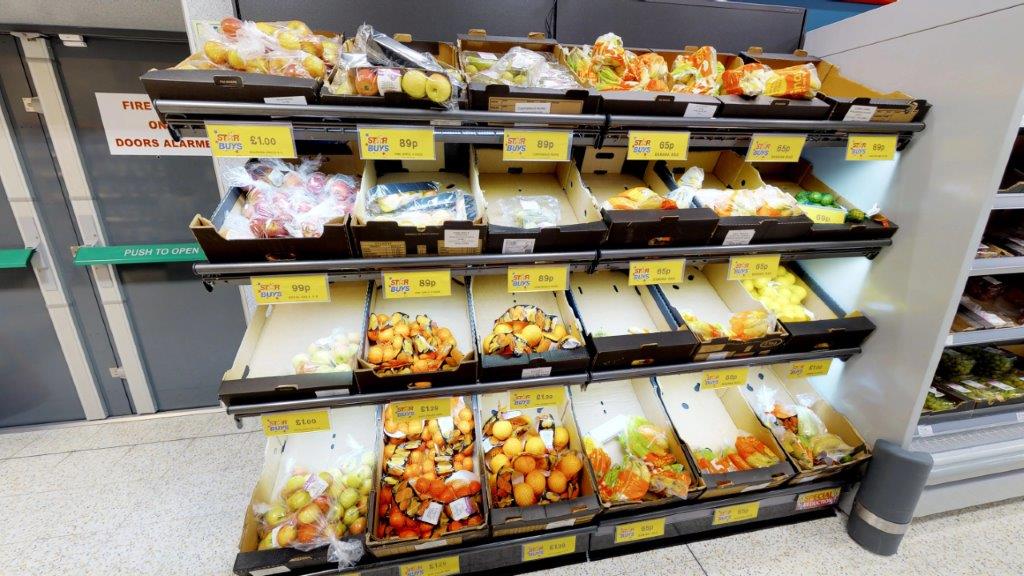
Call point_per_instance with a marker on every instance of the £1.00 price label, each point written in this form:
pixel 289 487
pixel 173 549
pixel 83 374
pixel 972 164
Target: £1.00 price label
pixel 537 278
pixel 724 378
pixel 643 272
pixel 775 148
pixel 296 422
pixel 641 530
pixel 536 397
pixel 807 368
pixel 753 267
pixel 536 145
pixel 655 145
pixel 251 140
pixel 868 147
pixel 396 143
pixel 549 548
pixel 290 289
pixel 422 409
pixel 736 513
pixel 419 284
pixel 434 567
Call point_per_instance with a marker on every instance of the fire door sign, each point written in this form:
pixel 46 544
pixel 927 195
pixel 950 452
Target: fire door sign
pixel 133 128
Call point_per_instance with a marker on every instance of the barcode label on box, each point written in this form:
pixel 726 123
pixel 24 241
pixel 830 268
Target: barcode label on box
pixel 461 238
pixel 540 372
pixel 738 237
pixel 285 100
pixel 860 114
pixel 533 107
pixel 518 245
pixel 700 110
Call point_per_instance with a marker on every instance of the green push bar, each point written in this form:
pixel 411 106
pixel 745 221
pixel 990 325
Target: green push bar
pixel 138 254
pixel 16 257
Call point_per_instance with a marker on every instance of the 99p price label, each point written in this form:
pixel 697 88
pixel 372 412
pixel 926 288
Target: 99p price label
pixel 396 143
pixel 290 289
pixel 416 284
pixel 536 145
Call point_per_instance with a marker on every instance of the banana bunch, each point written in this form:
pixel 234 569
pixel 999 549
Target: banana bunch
pixel 525 329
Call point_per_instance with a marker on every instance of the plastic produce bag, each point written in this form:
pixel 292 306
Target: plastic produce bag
pixel 747 80
pixel 334 353
pixel 343 81
pixel 277 48
pixel 638 198
pixel 699 72
pixel 687 186
pixel 802 434
pixel 527 211
pixel 419 203
pixel 645 441
pixel 382 50
pixel 522 67
pixel 765 201
pixel 796 82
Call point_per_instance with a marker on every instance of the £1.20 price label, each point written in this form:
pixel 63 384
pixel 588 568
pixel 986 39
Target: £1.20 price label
pixel 433 567
pixel 724 378
pixel 775 148
pixel 753 267
pixel 536 145
pixel 642 530
pixel 537 278
pixel 643 272
pixel 416 284
pixel 290 289
pixel 295 422
pixel 806 368
pixel 422 409
pixel 251 140
pixel 396 143
pixel 549 548
pixel 656 145
pixel 870 147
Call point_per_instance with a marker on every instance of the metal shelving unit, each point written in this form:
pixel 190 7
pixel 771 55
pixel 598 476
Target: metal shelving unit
pixel 1009 201
pixel 985 336
pixel 987 266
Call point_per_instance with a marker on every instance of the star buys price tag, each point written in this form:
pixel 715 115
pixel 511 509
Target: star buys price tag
pixel 549 548
pixel 537 278
pixel 434 567
pixel 657 145
pixel 643 272
pixel 536 397
pixel 396 143
pixel 416 284
pixel 295 422
pixel 251 140
pixel 290 289
pixel 806 368
pixel 536 145
pixel 870 147
pixel 823 215
pixel 724 378
pixel 641 530
pixel 775 147
pixel 753 267
pixel 735 513
pixel 421 409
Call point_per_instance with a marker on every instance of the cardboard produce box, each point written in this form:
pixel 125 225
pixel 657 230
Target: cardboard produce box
pixel 603 411
pixel 264 368
pixel 848 100
pixel 514 519
pixel 489 300
pixel 606 173
pixel 829 328
pixel 343 447
pixel 715 302
pixel 773 386
pixel 518 198
pixel 797 177
pixel 451 312
pixel 713 419
pixel 727 170
pixel 228 86
pixel 381 238
pixel 502 98
pixel 627 325
pixel 382 547
pixel 332 244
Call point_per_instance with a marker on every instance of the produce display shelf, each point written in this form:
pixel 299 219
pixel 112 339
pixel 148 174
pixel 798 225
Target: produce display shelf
pixel 683 523
pixel 186 118
pixel 239 410
pixel 1008 265
pixel 1008 201
pixel 369 268
pixel 974 453
pixel 977 419
pixel 985 336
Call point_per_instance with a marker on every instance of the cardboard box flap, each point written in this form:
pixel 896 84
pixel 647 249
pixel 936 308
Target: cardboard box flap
pixel 833 83
pixel 611 307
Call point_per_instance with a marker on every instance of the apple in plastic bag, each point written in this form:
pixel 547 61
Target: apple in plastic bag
pixel 275 515
pixel 414 83
pixel 438 88
pixel 315 183
pixel 366 82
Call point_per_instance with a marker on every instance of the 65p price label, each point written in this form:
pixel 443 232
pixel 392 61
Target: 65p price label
pixel 644 272
pixel 396 143
pixel 775 148
pixel 420 284
pixel 654 145
pixel 251 140
pixel 537 278
pixel 752 267
pixel 861 147
pixel 536 145
pixel 290 289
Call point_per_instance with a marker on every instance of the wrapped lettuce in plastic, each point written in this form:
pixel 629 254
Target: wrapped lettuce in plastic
pixel 526 211
pixel 747 80
pixel 800 431
pixel 419 203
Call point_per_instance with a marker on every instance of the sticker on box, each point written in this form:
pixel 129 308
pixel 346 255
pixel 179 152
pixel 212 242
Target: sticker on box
pixel 533 107
pixel 700 110
pixel 518 245
pixel 462 238
pixel 538 372
pixel 738 237
pixel 858 113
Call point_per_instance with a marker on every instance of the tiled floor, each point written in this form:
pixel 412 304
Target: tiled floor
pixel 165 496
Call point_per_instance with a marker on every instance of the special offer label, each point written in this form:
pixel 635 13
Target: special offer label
pixel 290 289
pixel 644 272
pixel 536 397
pixel 132 128
pixel 753 267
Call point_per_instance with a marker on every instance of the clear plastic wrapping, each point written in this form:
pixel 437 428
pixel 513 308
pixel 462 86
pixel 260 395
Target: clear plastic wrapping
pixel 781 295
pixel 521 67
pixel 800 431
pixel 796 82
pixel 648 470
pixel 334 353
pixel 747 80
pixel 419 203
pixel 764 201
pixel 639 198
pixel 538 211
pixel 736 454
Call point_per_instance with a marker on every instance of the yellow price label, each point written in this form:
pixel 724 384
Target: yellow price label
pixel 775 147
pixel 868 147
pixel 536 145
pixel 536 397
pixel 655 145
pixel 807 368
pixel 643 272
pixel 537 278
pixel 641 530
pixel 434 567
pixel 817 499
pixel 735 513
pixel 396 144
pixel 823 215
pixel 724 378
pixel 251 140
pixel 296 422
pixel 421 409
pixel 753 267
pixel 549 548
pixel 418 284
pixel 290 289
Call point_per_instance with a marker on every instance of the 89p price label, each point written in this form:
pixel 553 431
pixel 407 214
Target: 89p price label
pixel 775 148
pixel 861 147
pixel 536 145
pixel 290 289
pixel 654 145
pixel 419 284
pixel 537 278
pixel 396 143
pixel 752 267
